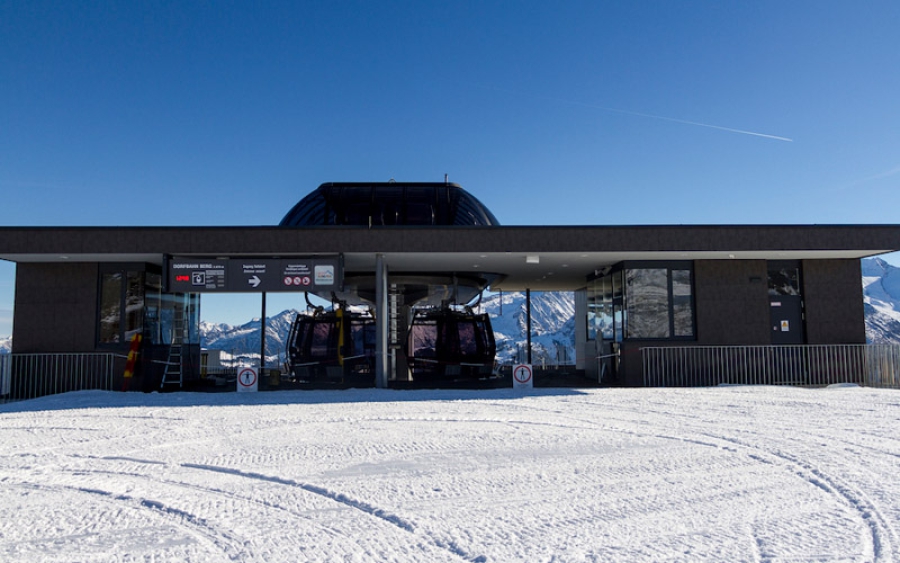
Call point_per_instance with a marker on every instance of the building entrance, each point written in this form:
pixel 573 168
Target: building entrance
pixel 786 303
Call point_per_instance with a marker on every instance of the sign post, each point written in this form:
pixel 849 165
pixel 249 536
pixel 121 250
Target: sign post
pixel 247 380
pixel 523 376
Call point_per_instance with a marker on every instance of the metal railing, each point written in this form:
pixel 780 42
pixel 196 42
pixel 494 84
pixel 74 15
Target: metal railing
pixel 5 364
pixel 28 376
pixel 808 365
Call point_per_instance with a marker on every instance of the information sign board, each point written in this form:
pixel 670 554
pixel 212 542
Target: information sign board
pixel 254 275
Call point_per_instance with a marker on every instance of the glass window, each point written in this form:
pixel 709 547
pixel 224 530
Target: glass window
pixel 324 340
pixel 110 307
pixel 605 310
pixel 134 304
pixel 618 322
pixel 682 303
pixel 423 340
pixel 419 214
pixel 152 296
pixel 784 280
pixel 592 298
pixel 468 343
pixel 647 303
pixel 653 302
pixel 362 335
pixel 618 305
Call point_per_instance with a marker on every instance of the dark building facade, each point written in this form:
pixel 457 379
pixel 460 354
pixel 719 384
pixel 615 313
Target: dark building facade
pixel 89 289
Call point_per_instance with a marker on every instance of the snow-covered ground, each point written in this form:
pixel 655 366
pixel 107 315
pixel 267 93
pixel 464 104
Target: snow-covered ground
pixel 715 474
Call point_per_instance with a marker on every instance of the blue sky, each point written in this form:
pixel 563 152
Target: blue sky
pixel 199 113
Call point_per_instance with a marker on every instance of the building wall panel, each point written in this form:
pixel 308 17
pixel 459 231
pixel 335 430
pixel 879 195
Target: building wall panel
pixel 731 300
pixel 56 307
pixel 833 298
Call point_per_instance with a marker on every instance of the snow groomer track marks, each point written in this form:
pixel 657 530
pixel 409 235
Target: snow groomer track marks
pixel 749 474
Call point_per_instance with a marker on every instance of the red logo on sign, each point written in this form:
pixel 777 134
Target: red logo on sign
pixel 182 278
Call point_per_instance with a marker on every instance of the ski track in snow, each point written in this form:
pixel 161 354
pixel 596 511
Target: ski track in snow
pixel 751 474
pixel 879 545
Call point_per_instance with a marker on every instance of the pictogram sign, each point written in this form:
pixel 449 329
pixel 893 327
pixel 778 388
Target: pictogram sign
pixel 523 376
pixel 248 379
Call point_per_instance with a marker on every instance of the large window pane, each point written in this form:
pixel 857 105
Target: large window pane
pixel 152 307
pixel 134 304
pixel 643 303
pixel 618 303
pixel 647 302
pixel 592 303
pixel 682 303
pixel 618 321
pixel 192 318
pixel 605 310
pixel 110 307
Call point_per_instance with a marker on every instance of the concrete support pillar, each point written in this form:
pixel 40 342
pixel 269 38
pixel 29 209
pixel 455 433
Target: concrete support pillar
pixel 382 318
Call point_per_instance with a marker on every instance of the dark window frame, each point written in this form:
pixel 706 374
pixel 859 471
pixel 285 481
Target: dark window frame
pixel 620 312
pixel 125 270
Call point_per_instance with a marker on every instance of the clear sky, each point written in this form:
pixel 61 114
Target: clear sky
pixel 208 113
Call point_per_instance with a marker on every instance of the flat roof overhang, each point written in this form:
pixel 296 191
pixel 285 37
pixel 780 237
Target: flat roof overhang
pixel 565 255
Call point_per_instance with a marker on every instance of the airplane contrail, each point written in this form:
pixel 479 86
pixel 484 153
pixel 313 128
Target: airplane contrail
pixel 686 122
pixel 662 117
pixel 887 174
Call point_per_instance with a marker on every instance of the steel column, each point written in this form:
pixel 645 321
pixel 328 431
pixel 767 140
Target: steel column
pixel 382 315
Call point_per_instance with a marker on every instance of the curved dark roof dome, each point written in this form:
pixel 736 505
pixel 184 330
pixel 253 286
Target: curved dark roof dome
pixel 390 203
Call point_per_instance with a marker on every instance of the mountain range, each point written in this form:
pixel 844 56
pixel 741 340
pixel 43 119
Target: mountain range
pixel 552 336
pixel 553 323
pixel 881 300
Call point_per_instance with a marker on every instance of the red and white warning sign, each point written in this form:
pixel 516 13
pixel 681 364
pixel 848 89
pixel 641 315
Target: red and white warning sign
pixel 523 377
pixel 248 379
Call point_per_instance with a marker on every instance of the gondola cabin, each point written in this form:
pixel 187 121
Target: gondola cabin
pixel 332 346
pixel 446 345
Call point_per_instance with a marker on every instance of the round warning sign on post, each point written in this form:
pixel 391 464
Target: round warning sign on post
pixel 523 377
pixel 248 379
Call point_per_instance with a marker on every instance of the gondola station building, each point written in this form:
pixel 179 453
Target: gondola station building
pixel 643 294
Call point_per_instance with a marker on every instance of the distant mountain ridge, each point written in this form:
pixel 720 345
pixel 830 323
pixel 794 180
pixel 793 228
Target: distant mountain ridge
pixel 552 319
pixel 243 341
pixel 881 301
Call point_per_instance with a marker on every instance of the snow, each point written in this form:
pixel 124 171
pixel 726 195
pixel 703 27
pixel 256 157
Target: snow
pixel 712 474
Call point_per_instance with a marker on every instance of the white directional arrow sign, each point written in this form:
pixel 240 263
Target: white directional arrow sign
pixel 254 281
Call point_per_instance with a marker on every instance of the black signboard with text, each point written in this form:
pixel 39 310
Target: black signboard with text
pixel 237 275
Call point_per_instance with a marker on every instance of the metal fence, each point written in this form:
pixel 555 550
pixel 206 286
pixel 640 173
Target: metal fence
pixel 809 365
pixel 4 375
pixel 27 376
